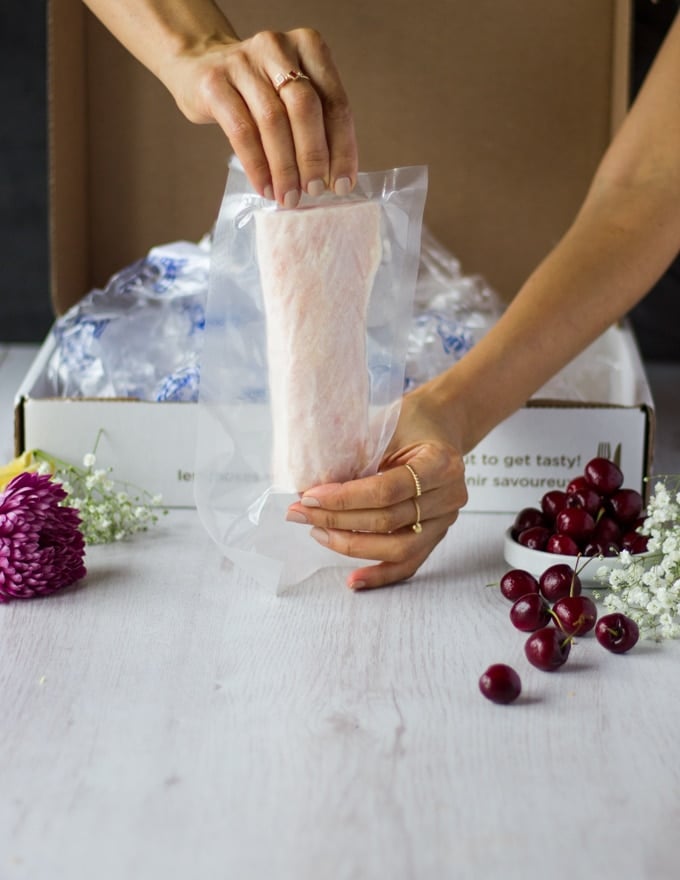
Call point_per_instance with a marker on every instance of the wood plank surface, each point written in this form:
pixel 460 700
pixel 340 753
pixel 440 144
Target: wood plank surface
pixel 169 719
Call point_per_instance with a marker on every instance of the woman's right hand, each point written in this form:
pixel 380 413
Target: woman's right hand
pixel 297 137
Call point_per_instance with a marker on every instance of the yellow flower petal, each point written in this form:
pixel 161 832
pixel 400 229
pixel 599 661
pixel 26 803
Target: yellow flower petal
pixel 24 462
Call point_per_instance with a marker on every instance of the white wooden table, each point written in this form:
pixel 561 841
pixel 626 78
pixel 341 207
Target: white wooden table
pixel 169 720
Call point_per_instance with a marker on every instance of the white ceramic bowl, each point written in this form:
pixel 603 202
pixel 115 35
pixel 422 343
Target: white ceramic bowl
pixel 536 561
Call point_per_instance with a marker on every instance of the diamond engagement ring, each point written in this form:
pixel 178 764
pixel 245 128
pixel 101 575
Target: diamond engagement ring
pixel 282 79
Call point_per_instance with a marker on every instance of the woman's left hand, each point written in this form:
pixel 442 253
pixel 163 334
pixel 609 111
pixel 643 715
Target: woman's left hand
pixel 383 517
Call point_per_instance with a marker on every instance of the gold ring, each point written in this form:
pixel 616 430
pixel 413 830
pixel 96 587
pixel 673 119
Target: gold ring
pixel 417 527
pixel 282 79
pixel 416 480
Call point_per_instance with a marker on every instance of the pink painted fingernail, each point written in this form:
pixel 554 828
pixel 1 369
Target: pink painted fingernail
pixel 291 198
pixel 343 186
pixel 320 535
pixel 316 187
pixel 296 517
pixel 309 501
pixel 269 192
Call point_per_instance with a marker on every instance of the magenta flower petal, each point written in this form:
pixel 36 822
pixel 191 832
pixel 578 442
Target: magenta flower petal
pixel 41 545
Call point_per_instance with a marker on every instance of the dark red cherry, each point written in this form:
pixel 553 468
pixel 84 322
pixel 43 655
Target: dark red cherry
pixel 625 505
pixel 607 531
pixel 603 475
pixel 500 683
pixel 534 538
pixel 616 632
pixel 530 613
pixel 575 522
pixel 562 544
pixel 587 498
pixel 559 580
pixel 595 548
pixel 576 484
pixel 552 502
pixel 547 648
pixel 634 542
pixel 576 615
pixel 516 583
pixel 527 518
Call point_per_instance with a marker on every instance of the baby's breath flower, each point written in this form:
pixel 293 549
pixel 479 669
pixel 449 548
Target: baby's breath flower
pixel 649 591
pixel 109 510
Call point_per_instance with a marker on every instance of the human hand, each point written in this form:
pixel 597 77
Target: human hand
pixel 296 137
pixel 374 517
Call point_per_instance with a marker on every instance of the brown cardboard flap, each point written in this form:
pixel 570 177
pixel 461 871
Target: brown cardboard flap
pixel 510 105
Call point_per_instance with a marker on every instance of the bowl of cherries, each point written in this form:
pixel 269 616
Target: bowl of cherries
pixel 594 518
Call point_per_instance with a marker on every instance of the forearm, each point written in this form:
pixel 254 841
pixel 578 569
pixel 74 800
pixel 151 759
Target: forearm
pixel 158 32
pixel 606 263
pixel 623 239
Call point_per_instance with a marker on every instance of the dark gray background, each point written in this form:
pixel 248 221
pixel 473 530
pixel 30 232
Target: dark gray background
pixel 25 313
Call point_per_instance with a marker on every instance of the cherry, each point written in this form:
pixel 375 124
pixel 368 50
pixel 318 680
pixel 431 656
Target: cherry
pixel 576 484
pixel 500 683
pixel 634 542
pixel 547 648
pixel 616 632
pixel 516 583
pixel 530 613
pixel 586 498
pixel 576 615
pixel 626 505
pixel 562 544
pixel 575 522
pixel 607 531
pixel 527 518
pixel 552 502
pixel 559 580
pixel 535 538
pixel 595 548
pixel 603 475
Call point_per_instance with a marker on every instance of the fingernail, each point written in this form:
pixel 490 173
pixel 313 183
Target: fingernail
pixel 320 535
pixel 357 585
pixel 296 516
pixel 269 192
pixel 316 187
pixel 343 186
pixel 309 501
pixel 291 198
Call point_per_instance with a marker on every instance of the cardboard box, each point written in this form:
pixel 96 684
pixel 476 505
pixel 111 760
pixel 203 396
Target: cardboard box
pixel 540 447
pixel 149 445
pixel 510 105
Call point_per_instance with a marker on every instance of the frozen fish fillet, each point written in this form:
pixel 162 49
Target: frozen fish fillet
pixel 317 267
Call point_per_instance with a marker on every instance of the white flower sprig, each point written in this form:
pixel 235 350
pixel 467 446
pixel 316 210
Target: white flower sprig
pixel 647 589
pixel 107 509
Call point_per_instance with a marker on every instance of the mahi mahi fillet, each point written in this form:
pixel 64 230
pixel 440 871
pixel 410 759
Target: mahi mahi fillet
pixel 317 267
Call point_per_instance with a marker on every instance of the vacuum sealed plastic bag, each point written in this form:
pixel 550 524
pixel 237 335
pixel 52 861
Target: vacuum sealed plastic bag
pixel 302 373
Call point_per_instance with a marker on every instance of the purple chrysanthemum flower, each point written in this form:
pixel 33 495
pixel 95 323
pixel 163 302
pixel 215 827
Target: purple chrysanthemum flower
pixel 41 545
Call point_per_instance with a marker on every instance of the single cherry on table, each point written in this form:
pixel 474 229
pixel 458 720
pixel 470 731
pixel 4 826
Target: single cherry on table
pixel 617 632
pixel 500 683
pixel 547 648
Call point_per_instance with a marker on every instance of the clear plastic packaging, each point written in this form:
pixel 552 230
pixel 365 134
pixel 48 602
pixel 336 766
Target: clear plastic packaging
pixel 140 336
pixel 452 313
pixel 290 375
